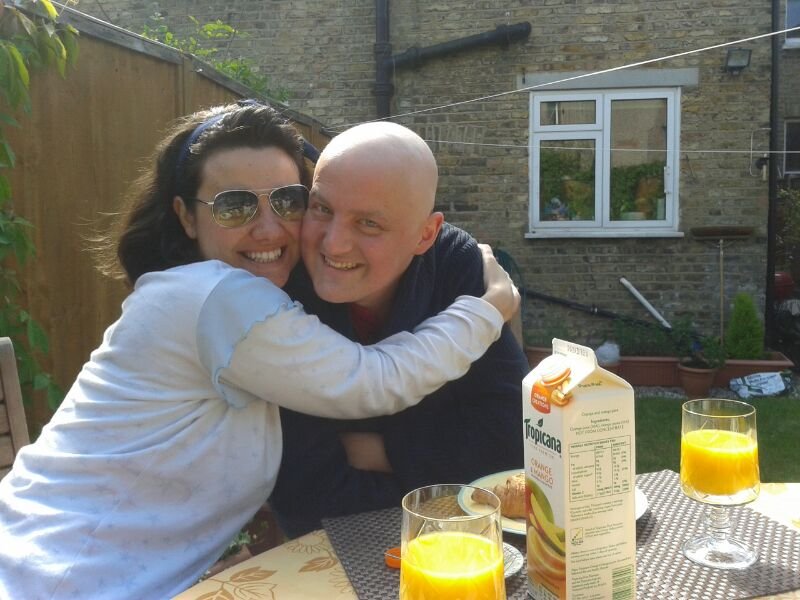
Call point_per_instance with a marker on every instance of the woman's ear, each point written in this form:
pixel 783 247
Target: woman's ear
pixel 185 216
pixel 432 226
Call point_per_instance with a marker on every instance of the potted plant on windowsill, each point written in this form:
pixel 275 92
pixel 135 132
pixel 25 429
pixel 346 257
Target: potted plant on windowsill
pixel 698 366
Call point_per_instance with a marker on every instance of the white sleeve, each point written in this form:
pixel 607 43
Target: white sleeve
pixel 256 341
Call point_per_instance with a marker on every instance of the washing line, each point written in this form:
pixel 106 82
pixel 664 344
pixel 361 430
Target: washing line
pixel 572 148
pixel 567 79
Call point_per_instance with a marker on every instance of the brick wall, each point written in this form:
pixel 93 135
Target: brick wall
pixel 322 52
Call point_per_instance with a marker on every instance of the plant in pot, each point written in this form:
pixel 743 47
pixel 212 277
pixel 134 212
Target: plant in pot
pixel 744 345
pixel 744 337
pixel 698 365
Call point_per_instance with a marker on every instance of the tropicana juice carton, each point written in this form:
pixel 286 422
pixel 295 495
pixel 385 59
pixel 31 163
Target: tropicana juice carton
pixel 580 478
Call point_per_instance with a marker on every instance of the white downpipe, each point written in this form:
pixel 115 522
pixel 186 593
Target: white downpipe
pixel 644 302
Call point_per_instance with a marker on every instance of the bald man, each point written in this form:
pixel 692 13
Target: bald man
pixel 379 260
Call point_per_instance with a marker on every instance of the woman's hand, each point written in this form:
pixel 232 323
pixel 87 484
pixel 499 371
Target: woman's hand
pixel 500 290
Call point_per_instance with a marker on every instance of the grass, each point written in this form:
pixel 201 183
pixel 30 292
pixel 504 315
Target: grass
pixel 658 427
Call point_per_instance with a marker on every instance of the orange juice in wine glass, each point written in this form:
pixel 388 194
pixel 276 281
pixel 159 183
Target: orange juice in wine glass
pixel 719 464
pixel 719 467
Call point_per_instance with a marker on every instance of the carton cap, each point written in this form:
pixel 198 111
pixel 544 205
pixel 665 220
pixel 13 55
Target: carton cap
pixel 553 368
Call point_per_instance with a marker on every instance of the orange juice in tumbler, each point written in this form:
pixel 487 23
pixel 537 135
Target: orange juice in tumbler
pixel 452 566
pixel 719 463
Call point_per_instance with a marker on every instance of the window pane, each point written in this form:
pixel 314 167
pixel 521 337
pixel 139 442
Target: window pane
pixel 566 180
pixel 792 145
pixel 571 112
pixel 792 17
pixel 638 158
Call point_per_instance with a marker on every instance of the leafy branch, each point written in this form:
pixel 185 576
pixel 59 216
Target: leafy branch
pixel 203 43
pixel 30 38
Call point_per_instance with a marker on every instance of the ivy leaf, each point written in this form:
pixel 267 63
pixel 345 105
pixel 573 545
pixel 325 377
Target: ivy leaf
pixel 48 6
pixel 8 120
pixel 40 381
pixel 54 395
pixel 5 189
pixel 19 62
pixel 69 38
pixel 7 158
pixel 28 25
pixel 37 338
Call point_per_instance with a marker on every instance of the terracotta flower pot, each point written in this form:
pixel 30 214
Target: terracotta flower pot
pixel 696 382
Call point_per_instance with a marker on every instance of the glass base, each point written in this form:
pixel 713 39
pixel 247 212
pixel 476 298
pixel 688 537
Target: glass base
pixel 728 553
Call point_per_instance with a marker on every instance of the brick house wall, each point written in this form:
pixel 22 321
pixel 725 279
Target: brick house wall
pixel 322 52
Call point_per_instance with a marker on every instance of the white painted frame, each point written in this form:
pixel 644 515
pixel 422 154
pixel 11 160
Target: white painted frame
pixel 603 226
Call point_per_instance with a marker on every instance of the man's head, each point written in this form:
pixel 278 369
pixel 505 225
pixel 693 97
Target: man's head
pixel 370 213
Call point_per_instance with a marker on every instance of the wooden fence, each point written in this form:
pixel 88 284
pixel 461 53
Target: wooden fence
pixel 77 152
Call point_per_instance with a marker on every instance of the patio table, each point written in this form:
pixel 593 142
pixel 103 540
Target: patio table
pixel 308 567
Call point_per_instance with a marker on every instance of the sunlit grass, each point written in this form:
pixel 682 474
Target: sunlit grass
pixel 658 426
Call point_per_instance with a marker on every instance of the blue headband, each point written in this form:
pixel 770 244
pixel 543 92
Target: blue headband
pixel 309 151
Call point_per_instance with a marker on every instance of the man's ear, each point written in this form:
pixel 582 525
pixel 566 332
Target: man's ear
pixel 432 226
pixel 185 216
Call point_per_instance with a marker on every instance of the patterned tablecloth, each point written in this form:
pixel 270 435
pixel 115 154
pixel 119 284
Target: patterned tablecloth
pixel 307 567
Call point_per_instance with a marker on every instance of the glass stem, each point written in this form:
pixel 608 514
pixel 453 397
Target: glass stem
pixel 719 522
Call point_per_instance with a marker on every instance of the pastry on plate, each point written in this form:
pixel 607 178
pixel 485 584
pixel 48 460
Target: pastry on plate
pixel 511 494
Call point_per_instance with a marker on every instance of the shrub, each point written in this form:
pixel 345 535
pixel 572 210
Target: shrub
pixel 643 340
pixel 744 337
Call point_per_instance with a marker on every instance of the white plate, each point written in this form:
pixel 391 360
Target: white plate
pixel 641 504
pixel 512 560
pixel 473 508
pixel 518 525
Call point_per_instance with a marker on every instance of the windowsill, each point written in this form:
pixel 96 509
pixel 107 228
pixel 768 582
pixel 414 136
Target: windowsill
pixel 603 233
pixel 791 45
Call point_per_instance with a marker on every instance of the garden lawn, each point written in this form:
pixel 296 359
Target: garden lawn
pixel 658 430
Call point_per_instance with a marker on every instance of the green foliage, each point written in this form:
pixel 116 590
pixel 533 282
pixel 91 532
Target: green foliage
pixel 681 341
pixel 557 165
pixel 744 336
pixel 703 353
pixel 30 39
pixel 204 43
pixel 642 340
pixel 624 183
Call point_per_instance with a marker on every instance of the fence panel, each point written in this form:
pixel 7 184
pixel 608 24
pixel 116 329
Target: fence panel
pixel 78 151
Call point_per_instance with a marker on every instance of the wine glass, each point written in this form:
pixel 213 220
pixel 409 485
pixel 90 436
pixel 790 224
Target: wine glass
pixel 719 467
pixel 446 554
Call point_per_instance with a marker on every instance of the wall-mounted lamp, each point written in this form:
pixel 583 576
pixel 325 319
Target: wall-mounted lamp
pixel 736 60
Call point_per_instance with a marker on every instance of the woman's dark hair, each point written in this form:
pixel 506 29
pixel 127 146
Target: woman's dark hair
pixel 149 235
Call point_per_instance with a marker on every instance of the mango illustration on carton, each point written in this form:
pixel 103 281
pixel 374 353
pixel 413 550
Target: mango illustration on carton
pixel 579 475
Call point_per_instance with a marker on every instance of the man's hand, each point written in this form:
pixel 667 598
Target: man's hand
pixel 366 451
pixel 500 290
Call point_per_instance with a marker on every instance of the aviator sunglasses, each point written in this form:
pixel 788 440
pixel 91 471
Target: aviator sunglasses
pixel 234 208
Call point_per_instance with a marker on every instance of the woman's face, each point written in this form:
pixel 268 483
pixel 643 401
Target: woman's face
pixel 267 246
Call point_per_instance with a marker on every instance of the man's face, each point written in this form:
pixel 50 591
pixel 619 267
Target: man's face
pixel 363 226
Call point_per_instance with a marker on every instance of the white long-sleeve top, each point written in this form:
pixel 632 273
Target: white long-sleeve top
pixel 169 440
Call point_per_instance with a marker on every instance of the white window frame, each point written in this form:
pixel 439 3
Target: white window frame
pixel 791 42
pixel 603 226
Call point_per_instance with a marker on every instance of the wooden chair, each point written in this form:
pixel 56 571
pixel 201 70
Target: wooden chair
pixel 13 428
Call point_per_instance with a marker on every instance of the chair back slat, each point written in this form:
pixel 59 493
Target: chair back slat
pixel 13 427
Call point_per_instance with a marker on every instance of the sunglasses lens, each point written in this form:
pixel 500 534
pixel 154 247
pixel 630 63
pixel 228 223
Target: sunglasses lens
pixel 289 202
pixel 234 208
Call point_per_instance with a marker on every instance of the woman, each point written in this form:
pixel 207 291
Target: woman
pixel 169 440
